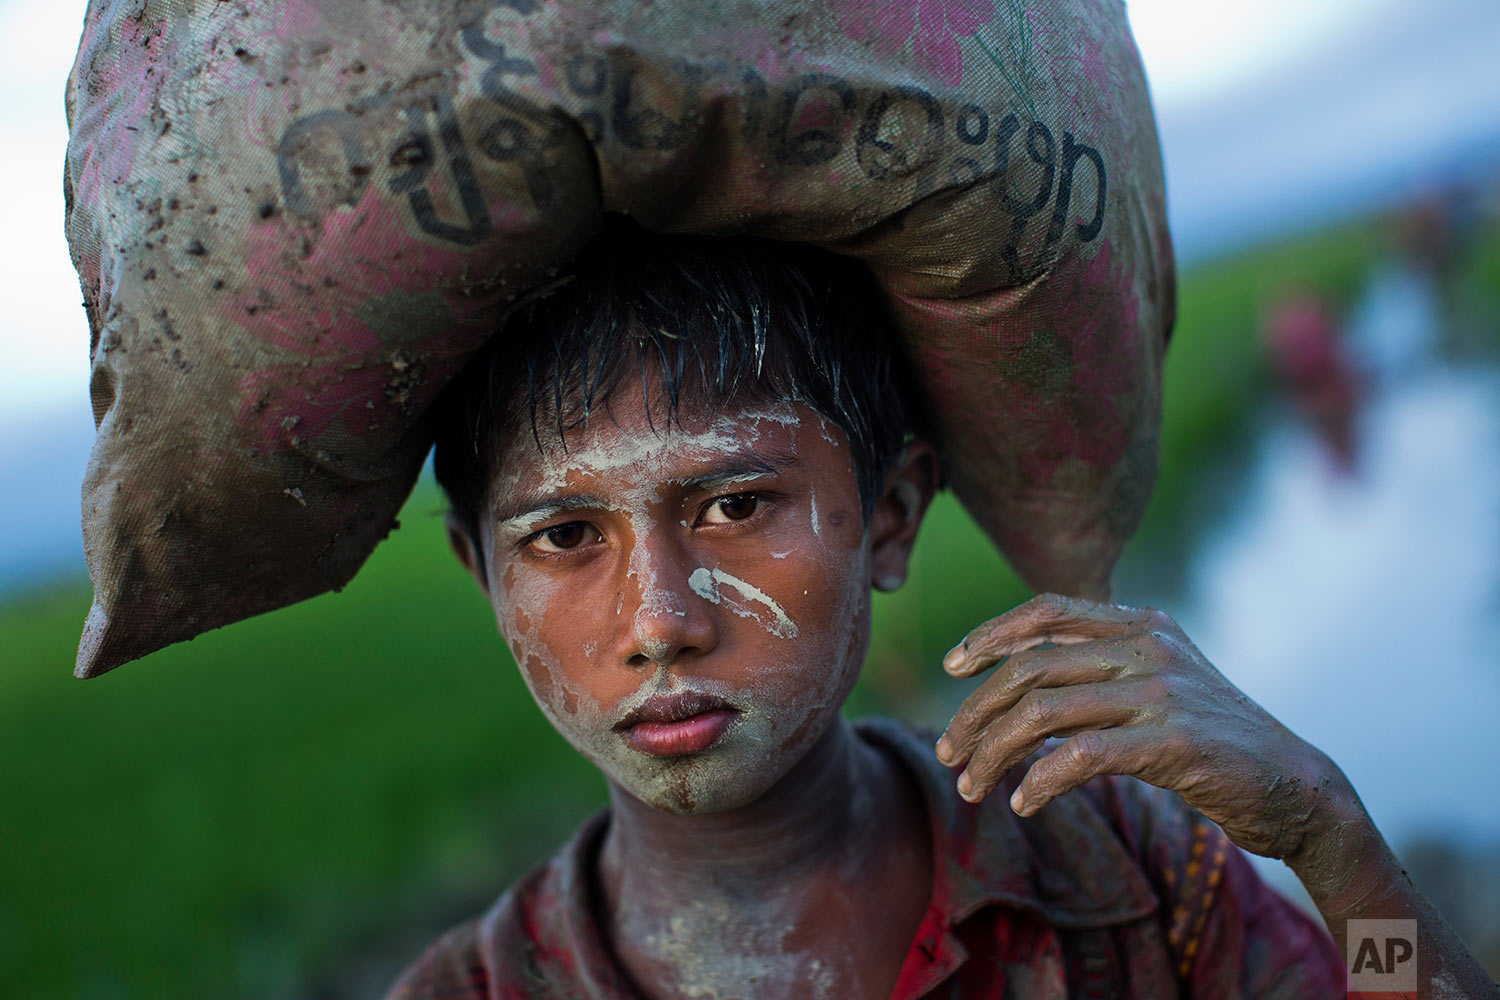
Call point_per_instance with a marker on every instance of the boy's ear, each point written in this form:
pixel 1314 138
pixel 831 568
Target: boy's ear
pixel 466 547
pixel 909 489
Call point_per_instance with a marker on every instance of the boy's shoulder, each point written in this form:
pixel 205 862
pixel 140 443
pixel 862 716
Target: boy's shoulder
pixel 1116 859
pixel 539 936
pixel 1091 858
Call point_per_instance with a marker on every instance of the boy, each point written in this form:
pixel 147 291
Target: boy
pixel 676 479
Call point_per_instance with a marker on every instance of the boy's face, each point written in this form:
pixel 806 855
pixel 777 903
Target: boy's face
pixel 689 605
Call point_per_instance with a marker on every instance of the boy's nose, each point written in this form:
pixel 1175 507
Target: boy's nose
pixel 669 622
pixel 667 634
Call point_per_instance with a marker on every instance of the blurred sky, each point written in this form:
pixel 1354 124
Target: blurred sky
pixel 1275 114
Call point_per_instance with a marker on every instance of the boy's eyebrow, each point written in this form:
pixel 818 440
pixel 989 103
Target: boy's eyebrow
pixel 737 468
pixel 535 508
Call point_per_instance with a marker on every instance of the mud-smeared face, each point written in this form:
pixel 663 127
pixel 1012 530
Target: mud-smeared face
pixel 689 604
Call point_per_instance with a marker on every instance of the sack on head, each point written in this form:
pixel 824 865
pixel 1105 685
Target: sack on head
pixel 294 220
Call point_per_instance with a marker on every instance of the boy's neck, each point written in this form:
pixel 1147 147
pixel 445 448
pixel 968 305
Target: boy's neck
pixel 824 806
pixel 845 825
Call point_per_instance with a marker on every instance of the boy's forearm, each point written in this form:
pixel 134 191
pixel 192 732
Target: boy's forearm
pixel 1351 874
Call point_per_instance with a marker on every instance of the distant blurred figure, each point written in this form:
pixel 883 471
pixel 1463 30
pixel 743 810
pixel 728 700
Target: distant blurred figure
pixel 1309 354
pixel 1436 235
pixel 1437 228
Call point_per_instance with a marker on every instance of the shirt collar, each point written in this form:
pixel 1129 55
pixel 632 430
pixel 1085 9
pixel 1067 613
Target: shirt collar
pixel 1065 863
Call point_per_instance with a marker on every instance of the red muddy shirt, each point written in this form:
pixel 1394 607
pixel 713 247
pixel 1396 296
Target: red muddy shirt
pixel 1117 889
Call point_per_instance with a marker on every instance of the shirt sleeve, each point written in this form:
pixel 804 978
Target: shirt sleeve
pixel 450 969
pixel 1253 942
pixel 1229 933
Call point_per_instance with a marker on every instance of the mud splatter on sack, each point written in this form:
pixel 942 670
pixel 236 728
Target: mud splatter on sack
pixel 294 220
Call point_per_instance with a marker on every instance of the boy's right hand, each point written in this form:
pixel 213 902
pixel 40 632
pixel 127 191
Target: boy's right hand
pixel 1133 695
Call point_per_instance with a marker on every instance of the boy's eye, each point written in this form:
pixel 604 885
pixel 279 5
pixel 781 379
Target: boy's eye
pixel 563 537
pixel 732 508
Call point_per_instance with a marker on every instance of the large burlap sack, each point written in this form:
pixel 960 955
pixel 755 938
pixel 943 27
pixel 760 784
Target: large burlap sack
pixel 294 219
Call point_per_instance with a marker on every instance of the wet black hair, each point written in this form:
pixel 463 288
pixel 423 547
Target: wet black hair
pixel 713 319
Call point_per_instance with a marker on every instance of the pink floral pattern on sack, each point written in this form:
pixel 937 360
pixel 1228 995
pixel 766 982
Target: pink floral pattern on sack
pixel 1094 60
pixel 1076 404
pixel 359 363
pixel 936 24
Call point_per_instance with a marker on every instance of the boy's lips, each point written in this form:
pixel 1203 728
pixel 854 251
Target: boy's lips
pixel 677 724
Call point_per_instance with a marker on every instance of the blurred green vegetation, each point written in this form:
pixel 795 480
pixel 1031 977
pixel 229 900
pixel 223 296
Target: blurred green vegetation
pixel 1476 293
pixel 293 806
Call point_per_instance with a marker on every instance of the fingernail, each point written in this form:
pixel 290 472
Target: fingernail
pixel 1018 802
pixel 955 658
pixel 944 749
pixel 966 786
